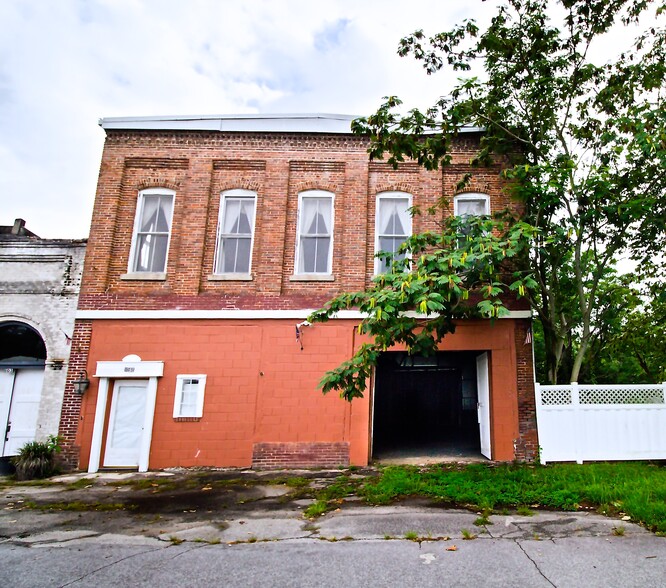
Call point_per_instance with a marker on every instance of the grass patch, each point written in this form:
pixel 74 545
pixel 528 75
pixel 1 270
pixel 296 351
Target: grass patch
pixel 12 482
pixel 153 484
pixel 635 488
pixel 292 482
pixel 331 496
pixel 80 484
pixel 77 506
pixel 316 509
pixel 524 511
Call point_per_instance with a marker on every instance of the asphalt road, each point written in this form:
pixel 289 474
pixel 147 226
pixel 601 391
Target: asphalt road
pixel 574 561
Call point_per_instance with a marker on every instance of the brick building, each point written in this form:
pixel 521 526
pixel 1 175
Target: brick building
pixel 211 239
pixel 39 288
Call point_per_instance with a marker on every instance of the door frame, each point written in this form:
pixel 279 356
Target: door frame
pixel 483 403
pixel 113 420
pixel 130 368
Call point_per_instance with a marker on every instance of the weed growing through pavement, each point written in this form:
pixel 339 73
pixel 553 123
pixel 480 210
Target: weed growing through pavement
pixel 484 518
pixel 316 509
pixel 332 496
pixel 467 535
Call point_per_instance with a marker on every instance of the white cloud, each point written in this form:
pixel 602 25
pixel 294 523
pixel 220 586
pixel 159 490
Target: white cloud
pixel 65 64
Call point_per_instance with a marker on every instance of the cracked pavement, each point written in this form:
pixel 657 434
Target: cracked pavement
pixel 246 528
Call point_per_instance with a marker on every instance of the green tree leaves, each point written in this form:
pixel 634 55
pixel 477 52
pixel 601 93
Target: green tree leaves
pixel 585 142
pixel 466 270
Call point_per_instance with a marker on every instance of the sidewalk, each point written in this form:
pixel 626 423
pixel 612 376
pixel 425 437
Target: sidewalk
pixel 238 506
pixel 247 528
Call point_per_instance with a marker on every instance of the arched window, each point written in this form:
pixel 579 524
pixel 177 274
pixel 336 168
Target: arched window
pixel 20 344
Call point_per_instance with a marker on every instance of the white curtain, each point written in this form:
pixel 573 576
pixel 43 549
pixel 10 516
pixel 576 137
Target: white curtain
pixel 237 228
pixel 470 207
pixel 238 216
pixel 394 219
pixel 394 222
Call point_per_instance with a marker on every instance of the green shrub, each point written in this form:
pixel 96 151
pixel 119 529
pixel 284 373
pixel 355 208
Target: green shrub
pixel 37 459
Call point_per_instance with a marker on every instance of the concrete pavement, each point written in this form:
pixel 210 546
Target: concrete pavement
pixel 237 534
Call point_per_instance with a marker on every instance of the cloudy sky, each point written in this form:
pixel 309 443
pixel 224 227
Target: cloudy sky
pixel 66 63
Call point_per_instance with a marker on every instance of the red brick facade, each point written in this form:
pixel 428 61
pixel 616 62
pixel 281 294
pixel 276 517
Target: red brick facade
pixel 71 406
pixel 299 455
pixel 262 406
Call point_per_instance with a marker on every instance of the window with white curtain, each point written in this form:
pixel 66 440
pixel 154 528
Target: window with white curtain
pixel 152 230
pixel 393 224
pixel 314 244
pixel 471 204
pixel 189 398
pixel 235 232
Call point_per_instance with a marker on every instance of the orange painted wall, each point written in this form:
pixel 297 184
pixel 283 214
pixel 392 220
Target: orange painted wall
pixel 262 388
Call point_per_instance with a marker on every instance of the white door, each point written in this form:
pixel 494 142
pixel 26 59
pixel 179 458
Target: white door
pixel 20 395
pixel 483 406
pixel 126 421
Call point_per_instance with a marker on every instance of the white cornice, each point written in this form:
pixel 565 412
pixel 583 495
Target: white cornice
pixel 244 123
pixel 298 314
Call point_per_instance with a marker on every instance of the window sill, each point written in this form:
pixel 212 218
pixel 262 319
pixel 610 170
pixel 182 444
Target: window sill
pixel 230 278
pixel 312 278
pixel 186 419
pixel 145 276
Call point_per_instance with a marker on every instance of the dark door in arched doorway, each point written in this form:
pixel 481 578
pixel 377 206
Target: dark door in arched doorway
pixel 22 360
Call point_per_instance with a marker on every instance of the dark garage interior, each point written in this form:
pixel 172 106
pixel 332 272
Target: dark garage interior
pixel 425 407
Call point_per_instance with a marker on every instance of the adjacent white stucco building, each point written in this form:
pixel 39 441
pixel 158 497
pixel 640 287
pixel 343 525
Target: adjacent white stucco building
pixel 39 289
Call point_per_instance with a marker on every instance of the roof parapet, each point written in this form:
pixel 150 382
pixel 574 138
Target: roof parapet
pixel 243 123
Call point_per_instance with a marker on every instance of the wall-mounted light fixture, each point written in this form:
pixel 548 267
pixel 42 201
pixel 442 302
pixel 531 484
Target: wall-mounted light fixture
pixel 81 385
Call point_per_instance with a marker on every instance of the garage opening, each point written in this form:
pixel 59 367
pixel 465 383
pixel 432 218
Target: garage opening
pixel 425 408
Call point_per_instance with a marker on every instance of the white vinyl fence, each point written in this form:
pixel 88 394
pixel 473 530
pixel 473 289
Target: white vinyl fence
pixel 579 422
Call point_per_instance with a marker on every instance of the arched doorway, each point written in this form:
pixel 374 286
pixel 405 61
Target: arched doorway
pixel 22 360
